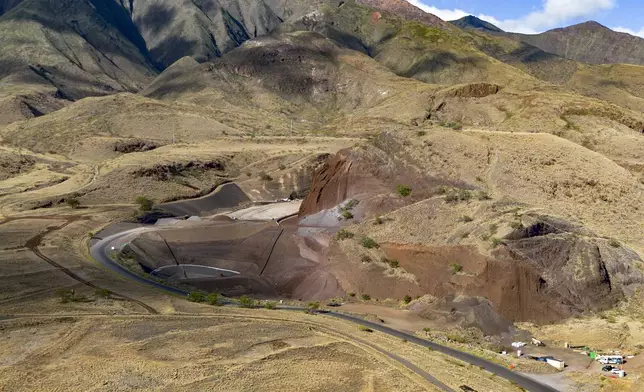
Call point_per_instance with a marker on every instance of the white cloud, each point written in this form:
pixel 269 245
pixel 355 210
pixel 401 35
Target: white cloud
pixel 441 13
pixel 552 14
pixel 639 33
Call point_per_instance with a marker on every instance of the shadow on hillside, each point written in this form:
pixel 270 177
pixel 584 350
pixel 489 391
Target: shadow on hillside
pixel 438 61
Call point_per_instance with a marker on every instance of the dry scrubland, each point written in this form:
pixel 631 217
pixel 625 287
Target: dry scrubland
pixel 494 158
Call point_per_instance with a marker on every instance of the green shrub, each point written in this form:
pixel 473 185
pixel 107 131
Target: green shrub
pixel 144 203
pixel 313 305
pixel 442 190
pixel 282 166
pixel 246 302
pixel 365 297
pixel 270 305
pixel 403 190
pixel 393 263
pixel 365 259
pixel 69 295
pixel 351 204
pixel 344 234
pixel 196 296
pixel 466 218
pixel 465 235
pixel 456 268
pixel 351 294
pixel 496 242
pixel 421 133
pixel 72 202
pixel 347 215
pixel 427 330
pixel 369 243
pixel 614 243
pixel 406 299
pixel 378 220
pixel 213 299
pixel 365 329
pixel 494 228
pixel 457 338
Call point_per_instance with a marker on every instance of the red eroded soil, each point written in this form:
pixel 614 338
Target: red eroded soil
pixel 517 291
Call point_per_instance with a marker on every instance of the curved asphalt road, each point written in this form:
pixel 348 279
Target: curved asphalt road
pixel 99 251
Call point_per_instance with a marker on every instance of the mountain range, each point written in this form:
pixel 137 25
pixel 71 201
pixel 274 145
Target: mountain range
pixel 517 157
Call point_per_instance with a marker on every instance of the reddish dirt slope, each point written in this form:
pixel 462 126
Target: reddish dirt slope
pixel 403 9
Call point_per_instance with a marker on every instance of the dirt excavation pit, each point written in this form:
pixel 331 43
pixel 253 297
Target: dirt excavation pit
pixel 240 252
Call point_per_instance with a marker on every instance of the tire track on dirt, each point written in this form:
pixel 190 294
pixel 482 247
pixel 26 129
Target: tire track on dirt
pixel 33 245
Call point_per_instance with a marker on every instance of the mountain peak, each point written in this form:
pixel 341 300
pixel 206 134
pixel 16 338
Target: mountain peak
pixel 472 22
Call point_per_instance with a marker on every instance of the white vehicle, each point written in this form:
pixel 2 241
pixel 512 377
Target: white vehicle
pixel 618 372
pixel 518 344
pixel 611 359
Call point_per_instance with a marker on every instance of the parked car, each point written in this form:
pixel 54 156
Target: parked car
pixel 334 304
pixel 607 368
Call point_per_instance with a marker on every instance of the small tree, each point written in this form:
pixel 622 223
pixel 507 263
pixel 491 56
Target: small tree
pixel 72 202
pixel 144 203
pixel 246 302
pixel 270 305
pixel 403 190
pixel 214 299
pixel 352 294
pixel 196 296
pixel 378 220
pixel 407 299
pixel 365 297
pixel 347 215
pixel 456 268
pixel 313 305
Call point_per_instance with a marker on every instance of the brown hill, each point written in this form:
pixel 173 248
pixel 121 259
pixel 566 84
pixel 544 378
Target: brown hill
pixel 589 42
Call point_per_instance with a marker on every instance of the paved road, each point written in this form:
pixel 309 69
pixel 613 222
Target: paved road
pixel 99 252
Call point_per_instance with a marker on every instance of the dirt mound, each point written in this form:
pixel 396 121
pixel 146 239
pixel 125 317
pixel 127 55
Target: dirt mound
pixel 464 311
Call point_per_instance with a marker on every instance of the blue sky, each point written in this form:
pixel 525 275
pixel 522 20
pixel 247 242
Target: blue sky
pixel 533 16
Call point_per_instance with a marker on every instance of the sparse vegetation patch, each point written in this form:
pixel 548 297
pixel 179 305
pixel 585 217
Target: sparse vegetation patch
pixel 369 243
pixel 403 190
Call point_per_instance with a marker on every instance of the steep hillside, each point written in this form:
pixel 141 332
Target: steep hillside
pixel 479 203
pixel 591 43
pixel 203 30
